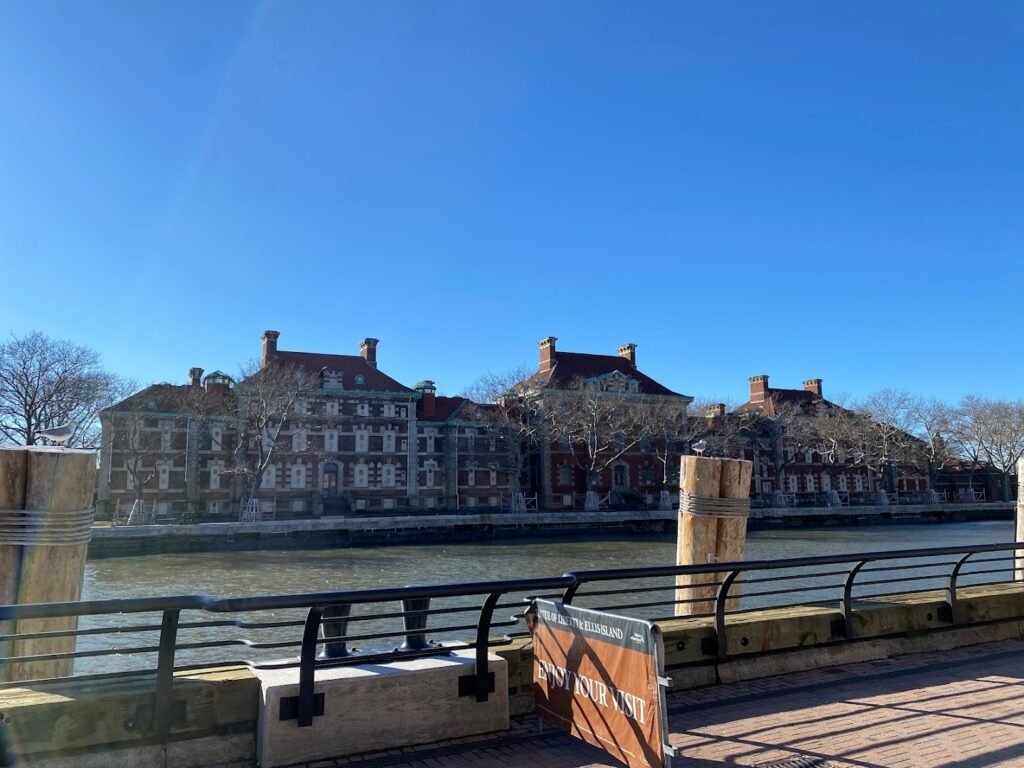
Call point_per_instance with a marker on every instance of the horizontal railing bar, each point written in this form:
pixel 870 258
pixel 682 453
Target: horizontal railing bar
pixel 277 602
pixel 695 585
pixel 129 651
pixel 684 601
pixel 789 591
pixel 967 574
pixel 401 614
pixel 945 564
pixel 900 579
pixel 791 577
pixel 264 624
pixel 583 577
pixel 1004 558
pixel 429 630
pixel 383 595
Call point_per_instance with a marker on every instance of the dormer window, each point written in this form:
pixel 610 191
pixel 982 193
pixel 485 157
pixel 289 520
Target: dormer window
pixel 360 379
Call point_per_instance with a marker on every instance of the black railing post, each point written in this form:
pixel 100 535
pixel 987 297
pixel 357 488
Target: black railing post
pixel 334 624
pixel 846 606
pixel 415 620
pixel 570 591
pixel 307 665
pixel 951 589
pixel 720 598
pixel 483 638
pixel 162 707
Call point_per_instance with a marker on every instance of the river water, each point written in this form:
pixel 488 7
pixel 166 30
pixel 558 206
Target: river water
pixel 224 574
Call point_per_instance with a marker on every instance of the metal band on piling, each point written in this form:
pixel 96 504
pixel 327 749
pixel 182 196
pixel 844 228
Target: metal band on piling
pixel 46 526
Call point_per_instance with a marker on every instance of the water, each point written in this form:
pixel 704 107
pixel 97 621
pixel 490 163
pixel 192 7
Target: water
pixel 223 574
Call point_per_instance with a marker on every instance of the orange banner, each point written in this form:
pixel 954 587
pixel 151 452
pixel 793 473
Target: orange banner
pixel 598 676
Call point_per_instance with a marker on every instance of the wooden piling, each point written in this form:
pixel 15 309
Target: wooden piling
pixel 12 496
pixel 49 548
pixel 704 538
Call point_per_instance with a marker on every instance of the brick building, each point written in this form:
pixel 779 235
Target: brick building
pixel 630 475
pixel 806 476
pixel 355 440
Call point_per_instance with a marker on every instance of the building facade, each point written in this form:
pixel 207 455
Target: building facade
pixel 626 470
pixel 798 465
pixel 353 440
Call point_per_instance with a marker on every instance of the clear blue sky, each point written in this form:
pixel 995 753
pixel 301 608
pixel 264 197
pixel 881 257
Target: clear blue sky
pixel 802 189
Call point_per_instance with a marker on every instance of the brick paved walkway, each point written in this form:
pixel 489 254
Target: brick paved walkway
pixel 956 709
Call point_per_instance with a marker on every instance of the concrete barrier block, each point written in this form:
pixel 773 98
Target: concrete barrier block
pixel 374 707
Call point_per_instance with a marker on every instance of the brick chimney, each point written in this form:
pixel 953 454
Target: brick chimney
pixel 428 405
pixel 195 376
pixel 758 388
pixel 628 351
pixel 715 410
pixel 547 353
pixel 368 349
pixel 813 385
pixel 269 346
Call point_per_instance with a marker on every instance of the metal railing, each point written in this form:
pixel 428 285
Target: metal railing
pixel 834 583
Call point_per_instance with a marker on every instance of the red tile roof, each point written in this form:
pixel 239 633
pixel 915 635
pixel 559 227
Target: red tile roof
pixel 349 366
pixel 570 366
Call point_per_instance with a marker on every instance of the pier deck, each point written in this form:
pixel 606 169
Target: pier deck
pixel 962 708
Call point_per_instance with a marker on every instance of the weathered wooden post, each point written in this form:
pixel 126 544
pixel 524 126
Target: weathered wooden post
pixel 46 516
pixel 1018 569
pixel 714 503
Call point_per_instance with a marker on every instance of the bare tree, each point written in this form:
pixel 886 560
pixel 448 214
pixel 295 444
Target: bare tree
pixel 47 382
pixel 670 430
pixel 777 438
pixel 993 431
pixel 889 443
pixel 837 435
pixel 600 426
pixel 932 422
pixel 513 414
pixel 265 404
pixel 965 420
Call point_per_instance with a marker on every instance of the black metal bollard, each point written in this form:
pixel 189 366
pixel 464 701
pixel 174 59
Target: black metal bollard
pixel 336 627
pixel 415 619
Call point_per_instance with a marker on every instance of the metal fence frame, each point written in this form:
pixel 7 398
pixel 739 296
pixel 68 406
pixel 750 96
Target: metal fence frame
pixel 326 608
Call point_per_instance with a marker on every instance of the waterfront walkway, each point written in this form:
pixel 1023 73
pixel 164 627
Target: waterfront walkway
pixel 962 708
